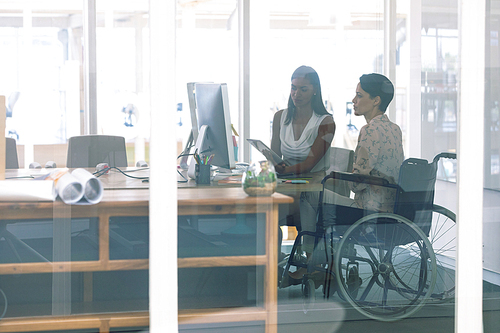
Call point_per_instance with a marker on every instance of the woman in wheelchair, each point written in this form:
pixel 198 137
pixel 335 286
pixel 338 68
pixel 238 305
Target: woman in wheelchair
pixel 379 153
pixel 391 249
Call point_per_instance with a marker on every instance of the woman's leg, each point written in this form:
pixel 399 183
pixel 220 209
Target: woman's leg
pixel 309 202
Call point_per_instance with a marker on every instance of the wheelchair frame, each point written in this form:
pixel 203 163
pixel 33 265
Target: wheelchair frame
pixel 386 265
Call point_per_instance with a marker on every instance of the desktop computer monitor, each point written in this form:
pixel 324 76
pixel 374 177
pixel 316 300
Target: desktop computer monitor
pixel 213 126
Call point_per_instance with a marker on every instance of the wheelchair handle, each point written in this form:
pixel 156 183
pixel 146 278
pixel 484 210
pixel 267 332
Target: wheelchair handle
pixel 444 155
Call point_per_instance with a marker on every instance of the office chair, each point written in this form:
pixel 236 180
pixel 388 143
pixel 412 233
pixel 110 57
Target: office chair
pixel 11 161
pixel 87 151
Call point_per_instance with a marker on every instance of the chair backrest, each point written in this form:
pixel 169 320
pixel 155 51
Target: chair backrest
pixel 87 151
pixel 341 159
pixel 415 196
pixel 11 161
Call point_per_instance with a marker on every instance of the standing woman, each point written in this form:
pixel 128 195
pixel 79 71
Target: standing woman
pixel 302 134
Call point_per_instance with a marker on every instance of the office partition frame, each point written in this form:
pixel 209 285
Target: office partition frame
pixel 90 66
pixel 163 170
pixel 469 270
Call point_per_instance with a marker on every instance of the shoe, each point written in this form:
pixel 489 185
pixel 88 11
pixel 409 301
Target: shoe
pixel 318 278
pixel 289 281
pixel 298 274
pixel 353 281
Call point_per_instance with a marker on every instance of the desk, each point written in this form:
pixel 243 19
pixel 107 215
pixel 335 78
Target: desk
pixel 135 202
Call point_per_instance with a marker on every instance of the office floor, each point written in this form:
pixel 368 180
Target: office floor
pixel 336 315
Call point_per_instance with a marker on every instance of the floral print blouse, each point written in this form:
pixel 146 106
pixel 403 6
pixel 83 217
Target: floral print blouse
pixel 379 153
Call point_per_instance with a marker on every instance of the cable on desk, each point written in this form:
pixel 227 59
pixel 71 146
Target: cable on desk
pixel 182 181
pixel 200 153
pixel 97 174
pixel 105 170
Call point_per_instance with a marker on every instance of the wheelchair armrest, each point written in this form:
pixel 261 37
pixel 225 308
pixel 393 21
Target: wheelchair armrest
pixel 357 178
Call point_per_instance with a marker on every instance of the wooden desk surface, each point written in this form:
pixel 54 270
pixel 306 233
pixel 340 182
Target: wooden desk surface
pixel 114 180
pixel 121 190
pixel 284 188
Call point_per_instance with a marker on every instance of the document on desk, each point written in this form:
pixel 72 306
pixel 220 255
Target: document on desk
pixel 27 190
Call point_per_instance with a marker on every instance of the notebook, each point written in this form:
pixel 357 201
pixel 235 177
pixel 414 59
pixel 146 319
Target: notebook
pixel 267 152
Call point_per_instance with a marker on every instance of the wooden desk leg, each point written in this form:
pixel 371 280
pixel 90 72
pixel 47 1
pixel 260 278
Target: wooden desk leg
pixel 271 291
pixel 88 287
pixel 61 247
pixel 104 328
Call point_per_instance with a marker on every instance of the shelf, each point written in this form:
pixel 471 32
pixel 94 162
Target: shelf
pixel 99 321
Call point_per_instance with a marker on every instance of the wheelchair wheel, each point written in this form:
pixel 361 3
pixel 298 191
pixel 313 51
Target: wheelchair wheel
pixel 442 236
pixel 309 293
pixel 385 267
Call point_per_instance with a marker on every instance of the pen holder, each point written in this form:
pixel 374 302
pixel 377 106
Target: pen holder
pixel 202 173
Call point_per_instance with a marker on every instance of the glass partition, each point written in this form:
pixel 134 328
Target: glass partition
pixel 233 248
pixel 122 57
pixel 491 197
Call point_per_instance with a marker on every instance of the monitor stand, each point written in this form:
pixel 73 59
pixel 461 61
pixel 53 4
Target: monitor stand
pixel 185 153
pixel 197 147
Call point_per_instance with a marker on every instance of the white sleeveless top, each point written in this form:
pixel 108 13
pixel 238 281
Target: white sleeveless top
pixel 297 151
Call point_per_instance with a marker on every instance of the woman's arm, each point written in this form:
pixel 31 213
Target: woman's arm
pixel 275 139
pixel 366 156
pixel 326 131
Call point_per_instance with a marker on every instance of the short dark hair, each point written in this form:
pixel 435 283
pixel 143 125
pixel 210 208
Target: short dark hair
pixel 378 85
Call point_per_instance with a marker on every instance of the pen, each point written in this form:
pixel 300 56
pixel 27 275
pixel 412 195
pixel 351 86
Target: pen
pixel 297 181
pixel 197 157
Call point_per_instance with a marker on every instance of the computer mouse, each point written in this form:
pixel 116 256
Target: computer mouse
pixel 35 165
pixel 102 166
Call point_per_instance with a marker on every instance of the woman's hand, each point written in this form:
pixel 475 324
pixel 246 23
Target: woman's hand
pixel 280 168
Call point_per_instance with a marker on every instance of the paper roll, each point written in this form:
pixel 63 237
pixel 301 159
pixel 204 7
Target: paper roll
pixel 69 189
pixel 92 186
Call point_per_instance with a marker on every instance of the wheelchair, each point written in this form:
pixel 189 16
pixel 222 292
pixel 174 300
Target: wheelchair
pixel 385 265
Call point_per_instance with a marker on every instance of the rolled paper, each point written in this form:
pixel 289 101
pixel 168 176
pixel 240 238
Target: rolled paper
pixel 69 189
pixel 92 186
